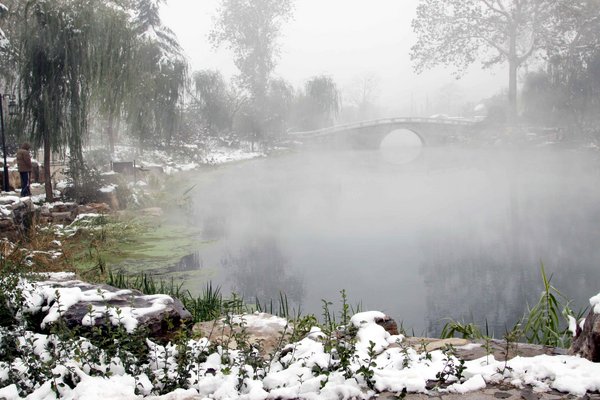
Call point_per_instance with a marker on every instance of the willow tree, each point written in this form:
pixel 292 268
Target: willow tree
pixel 213 101
pixel 322 101
pixel 459 32
pixel 3 12
pixel 112 61
pixel 159 78
pixel 54 72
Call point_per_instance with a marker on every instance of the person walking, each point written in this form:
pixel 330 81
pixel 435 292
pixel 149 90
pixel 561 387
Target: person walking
pixel 24 166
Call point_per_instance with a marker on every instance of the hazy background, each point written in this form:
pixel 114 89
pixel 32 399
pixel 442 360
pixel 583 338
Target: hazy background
pixel 349 40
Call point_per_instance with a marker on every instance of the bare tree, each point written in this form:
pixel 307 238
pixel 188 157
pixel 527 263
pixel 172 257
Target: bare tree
pixel 250 29
pixel 459 32
pixel 362 94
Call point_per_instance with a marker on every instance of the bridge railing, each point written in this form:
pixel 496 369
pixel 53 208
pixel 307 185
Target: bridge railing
pixel 385 121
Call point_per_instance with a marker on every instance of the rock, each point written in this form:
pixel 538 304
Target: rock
pixel 587 340
pixel 59 212
pixel 63 207
pixel 152 212
pixel 84 305
pixel 263 330
pixel 388 324
pixel 95 208
pixel 62 217
pixel 16 216
pixel 111 199
pixel 444 343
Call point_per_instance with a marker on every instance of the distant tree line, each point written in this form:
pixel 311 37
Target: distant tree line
pixel 106 71
pixel 82 64
pixel 558 39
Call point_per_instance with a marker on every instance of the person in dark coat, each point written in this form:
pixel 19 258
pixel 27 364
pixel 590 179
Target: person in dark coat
pixel 24 165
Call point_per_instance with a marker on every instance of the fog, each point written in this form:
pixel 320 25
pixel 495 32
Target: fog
pixel 347 40
pixel 456 233
pixel 421 233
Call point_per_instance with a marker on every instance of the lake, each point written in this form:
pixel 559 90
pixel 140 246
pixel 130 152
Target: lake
pixel 456 233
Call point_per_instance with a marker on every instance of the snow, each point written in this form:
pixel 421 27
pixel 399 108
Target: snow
pixel 595 303
pixel 474 383
pixel 291 376
pixel 469 346
pixel 108 189
pixel 226 155
pixel 56 300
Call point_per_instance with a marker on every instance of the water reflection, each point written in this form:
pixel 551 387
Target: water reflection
pixel 190 262
pixel 458 233
pixel 259 270
pixel 400 147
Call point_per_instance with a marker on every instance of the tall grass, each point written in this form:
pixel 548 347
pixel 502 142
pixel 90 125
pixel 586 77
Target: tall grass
pixel 207 306
pixel 546 323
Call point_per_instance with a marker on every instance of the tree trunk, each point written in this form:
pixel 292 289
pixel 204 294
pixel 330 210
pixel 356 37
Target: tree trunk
pixel 513 66
pixel 111 132
pixel 48 178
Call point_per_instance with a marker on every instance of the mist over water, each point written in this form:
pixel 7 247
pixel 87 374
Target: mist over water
pixel 456 233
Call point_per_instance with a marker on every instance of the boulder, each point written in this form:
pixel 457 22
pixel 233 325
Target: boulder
pixel 110 198
pixel 260 329
pixel 58 212
pixel 83 305
pixel 16 215
pixel 587 339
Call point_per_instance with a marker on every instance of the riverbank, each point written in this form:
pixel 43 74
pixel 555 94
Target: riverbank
pixel 319 366
pixel 258 356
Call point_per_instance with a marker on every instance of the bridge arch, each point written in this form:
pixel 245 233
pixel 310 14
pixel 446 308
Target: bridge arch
pixel 370 134
pixel 403 137
pixel 377 137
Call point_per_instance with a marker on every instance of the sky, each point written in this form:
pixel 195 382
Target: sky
pixel 347 39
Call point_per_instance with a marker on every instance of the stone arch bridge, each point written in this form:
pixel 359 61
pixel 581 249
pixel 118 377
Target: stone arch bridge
pixel 370 134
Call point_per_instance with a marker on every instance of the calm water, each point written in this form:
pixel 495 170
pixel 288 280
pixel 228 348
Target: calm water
pixel 457 233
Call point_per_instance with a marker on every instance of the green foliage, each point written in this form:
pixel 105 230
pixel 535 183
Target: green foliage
pixel 545 323
pixel 466 331
pixel 207 306
pixel 340 339
pixel 251 29
pixel 366 370
pixel 214 101
pixel 320 103
pixel 97 158
pixel 84 183
pixel 453 367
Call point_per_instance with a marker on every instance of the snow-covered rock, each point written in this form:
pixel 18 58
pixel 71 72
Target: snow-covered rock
pixel 81 304
pixel 587 339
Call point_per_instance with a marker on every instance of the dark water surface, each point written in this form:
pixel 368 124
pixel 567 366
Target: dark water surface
pixel 457 233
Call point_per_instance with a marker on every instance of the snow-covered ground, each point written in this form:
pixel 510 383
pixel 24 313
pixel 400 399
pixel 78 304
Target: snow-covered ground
pixel 305 369
pixel 189 158
pixel 192 158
